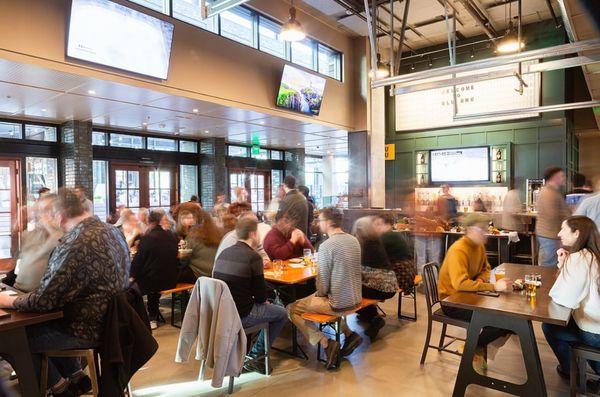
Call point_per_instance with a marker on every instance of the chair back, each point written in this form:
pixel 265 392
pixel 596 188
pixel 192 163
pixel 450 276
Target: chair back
pixel 430 277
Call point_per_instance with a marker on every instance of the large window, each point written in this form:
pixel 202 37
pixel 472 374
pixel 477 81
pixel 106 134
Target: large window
pixel 165 145
pixel 40 172
pixel 340 180
pixel 303 53
pixel 126 141
pixel 330 62
pixel 188 181
pixel 276 181
pixel 238 24
pixel 161 6
pixel 237 151
pixel 127 188
pixel 40 133
pixel 268 36
pixel 159 187
pixel 99 138
pixel 261 154
pixel 313 175
pixel 188 147
pixel 189 11
pixel 10 130
pixel 100 193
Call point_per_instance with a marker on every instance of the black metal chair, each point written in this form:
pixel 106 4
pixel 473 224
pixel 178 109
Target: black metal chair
pixel 435 313
pixel 580 354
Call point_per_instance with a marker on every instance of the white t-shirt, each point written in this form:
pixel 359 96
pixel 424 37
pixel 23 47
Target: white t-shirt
pixel 576 287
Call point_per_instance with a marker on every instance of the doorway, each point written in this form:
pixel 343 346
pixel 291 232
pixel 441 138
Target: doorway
pixel 141 186
pixel 11 219
pixel 256 183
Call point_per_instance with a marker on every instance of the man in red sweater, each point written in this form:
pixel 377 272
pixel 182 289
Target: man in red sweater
pixel 284 241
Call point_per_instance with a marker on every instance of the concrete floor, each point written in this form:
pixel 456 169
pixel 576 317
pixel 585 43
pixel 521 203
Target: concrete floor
pixel 389 366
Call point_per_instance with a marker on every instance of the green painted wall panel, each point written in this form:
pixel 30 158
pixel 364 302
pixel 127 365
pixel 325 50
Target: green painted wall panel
pixel 526 135
pixel 551 153
pixel 552 133
pixel 498 137
pixel 403 144
pixel 426 142
pixel 474 139
pixel 526 160
pixel 449 141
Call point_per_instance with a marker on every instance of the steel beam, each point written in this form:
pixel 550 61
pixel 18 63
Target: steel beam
pixel 485 24
pixel 536 109
pixel 217 7
pixel 402 33
pixel 371 28
pixel 559 50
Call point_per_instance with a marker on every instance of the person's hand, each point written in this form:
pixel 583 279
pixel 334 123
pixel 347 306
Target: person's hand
pixel 563 254
pixel 480 280
pixel 502 284
pixel 6 301
pixel 297 237
pixel 267 264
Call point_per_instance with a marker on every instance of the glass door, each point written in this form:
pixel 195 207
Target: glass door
pixel 256 183
pixel 10 221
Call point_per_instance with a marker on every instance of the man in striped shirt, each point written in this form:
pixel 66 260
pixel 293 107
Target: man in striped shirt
pixel 338 287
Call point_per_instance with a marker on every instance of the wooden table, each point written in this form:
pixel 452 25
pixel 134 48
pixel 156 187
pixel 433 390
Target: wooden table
pixel 290 278
pixel 13 342
pixel 515 312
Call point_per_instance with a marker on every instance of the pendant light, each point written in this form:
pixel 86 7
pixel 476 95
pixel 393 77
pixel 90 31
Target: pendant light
pixel 292 30
pixel 382 71
pixel 510 42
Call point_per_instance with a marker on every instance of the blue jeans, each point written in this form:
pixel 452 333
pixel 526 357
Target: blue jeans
pixel 547 251
pixel 427 249
pixel 275 315
pixel 560 340
pixel 46 337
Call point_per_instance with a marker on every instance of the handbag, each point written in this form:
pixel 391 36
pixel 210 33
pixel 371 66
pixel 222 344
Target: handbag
pixel 379 279
pixel 405 273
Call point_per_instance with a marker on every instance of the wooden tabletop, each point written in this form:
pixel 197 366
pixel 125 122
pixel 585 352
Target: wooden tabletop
pixel 515 303
pixel 22 319
pixel 291 275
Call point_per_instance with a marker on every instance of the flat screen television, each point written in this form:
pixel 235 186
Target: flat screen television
pixel 300 91
pixel 460 165
pixel 110 34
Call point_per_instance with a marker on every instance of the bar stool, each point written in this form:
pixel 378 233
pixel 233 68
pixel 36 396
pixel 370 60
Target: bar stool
pixel 91 357
pixel 580 354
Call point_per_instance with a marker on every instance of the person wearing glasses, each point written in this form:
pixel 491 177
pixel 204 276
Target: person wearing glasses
pixel 466 269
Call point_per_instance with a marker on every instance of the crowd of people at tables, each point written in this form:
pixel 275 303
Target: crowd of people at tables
pixel 74 262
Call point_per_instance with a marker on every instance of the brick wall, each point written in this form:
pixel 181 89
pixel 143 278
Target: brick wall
pixel 213 171
pixel 76 155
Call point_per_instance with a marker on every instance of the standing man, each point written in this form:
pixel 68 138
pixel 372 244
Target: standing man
pixel 86 270
pixel 339 287
pixel 294 205
pixel 311 208
pixel 241 268
pixel 87 203
pixel 552 211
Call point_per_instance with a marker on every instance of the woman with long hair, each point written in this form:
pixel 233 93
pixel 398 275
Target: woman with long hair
pixel 203 239
pixel 577 287
pixel 186 220
pixel 129 225
pixel 378 277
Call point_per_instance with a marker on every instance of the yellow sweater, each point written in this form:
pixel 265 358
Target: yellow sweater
pixel 465 262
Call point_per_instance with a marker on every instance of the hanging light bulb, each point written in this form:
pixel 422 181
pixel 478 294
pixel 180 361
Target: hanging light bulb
pixel 412 66
pixel 429 62
pixel 382 71
pixel 472 55
pixel 292 30
pixel 510 42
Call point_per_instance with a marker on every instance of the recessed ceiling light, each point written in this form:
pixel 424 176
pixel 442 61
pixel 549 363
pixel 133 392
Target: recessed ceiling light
pixel 144 123
pixel 299 144
pixel 195 110
pixel 43 110
pixel 261 122
pixel 177 133
pixel 91 92
pixel 181 128
pixel 206 131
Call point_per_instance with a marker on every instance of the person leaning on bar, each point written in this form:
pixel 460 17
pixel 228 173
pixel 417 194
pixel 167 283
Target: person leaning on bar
pixel 466 269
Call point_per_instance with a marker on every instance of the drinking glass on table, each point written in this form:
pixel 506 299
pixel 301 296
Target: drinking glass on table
pixel 499 274
pixel 306 255
pixel 278 267
pixel 530 285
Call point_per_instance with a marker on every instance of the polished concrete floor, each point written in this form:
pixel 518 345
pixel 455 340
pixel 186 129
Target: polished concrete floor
pixel 387 367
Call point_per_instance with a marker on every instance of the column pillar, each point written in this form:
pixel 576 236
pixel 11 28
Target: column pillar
pixel 358 181
pixel 213 170
pixel 295 164
pixel 377 148
pixel 76 156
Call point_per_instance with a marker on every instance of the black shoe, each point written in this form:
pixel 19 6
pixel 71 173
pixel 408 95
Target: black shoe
pixel 82 386
pixel 362 318
pixel 333 354
pixel 350 344
pixel 562 373
pixel 376 324
pixel 593 386
pixel 68 392
pixel 258 366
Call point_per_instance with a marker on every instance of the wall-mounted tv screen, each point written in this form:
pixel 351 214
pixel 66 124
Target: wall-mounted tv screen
pixel 460 165
pixel 300 91
pixel 110 34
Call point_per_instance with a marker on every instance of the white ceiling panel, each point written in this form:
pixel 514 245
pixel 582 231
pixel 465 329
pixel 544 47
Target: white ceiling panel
pixel 68 106
pixel 232 113
pixel 186 105
pixel 117 92
pixel 14 98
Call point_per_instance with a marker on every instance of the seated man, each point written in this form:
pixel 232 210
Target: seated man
pixel 466 268
pixel 155 266
pixel 339 285
pixel 231 238
pixel 241 268
pixel 284 241
pixel 87 269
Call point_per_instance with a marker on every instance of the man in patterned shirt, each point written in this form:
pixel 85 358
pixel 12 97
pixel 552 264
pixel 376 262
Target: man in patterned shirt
pixel 87 269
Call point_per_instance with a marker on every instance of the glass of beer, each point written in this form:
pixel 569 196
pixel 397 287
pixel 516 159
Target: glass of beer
pixel 278 267
pixel 499 274
pixel 530 285
pixel 307 254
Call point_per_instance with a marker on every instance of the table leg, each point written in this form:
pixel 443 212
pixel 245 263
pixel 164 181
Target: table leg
pixel 534 386
pixel 14 343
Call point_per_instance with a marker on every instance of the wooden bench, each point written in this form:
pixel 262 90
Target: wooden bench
pixel 181 292
pixel 334 321
pixel 411 294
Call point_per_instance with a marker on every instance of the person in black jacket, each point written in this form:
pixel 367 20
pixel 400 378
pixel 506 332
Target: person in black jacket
pixel 378 277
pixel 294 205
pixel 311 209
pixel 155 266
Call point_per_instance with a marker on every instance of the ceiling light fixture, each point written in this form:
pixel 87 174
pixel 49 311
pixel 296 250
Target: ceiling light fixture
pixel 43 110
pixel 510 42
pixel 412 67
pixel 144 123
pixel 382 71
pixel 292 30
pixel 429 62
pixel 472 55
pixel 195 110
pixel 206 131
pixel 299 144
pixel 261 122
pixel 91 92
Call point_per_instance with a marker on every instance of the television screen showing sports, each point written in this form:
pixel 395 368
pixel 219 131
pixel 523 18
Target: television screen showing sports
pixel 460 165
pixel 110 34
pixel 300 91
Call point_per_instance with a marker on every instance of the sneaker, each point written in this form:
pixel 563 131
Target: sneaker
pixel 82 386
pixel 592 386
pixel 350 344
pixel 562 373
pixel 376 324
pixel 153 324
pixel 257 366
pixel 333 354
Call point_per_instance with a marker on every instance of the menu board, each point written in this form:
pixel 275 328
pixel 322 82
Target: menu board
pixel 434 108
